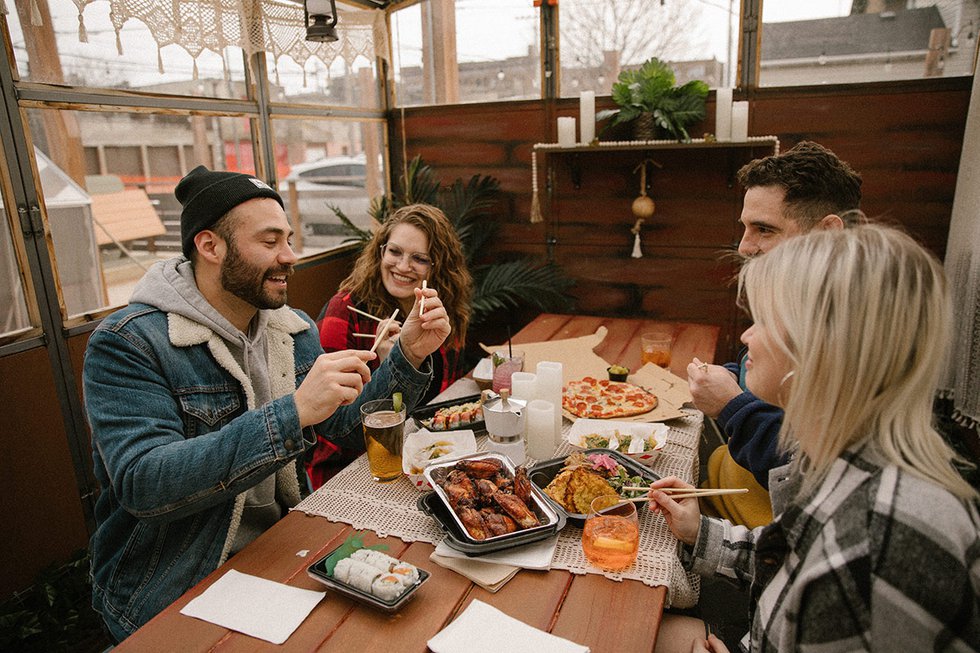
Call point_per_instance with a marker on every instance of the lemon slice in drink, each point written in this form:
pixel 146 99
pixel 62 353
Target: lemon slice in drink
pixel 603 542
pixel 396 402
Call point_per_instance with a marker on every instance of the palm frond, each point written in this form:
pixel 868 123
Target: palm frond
pixel 510 284
pixel 356 234
pixel 420 186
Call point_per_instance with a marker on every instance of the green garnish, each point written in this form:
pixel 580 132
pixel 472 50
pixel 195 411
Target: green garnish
pixel 396 402
pixel 353 542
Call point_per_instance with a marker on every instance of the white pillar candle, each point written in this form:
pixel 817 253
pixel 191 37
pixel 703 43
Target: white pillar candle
pixel 723 114
pixel 522 386
pixel 540 424
pixel 566 132
pixel 740 121
pixel 549 387
pixel 586 111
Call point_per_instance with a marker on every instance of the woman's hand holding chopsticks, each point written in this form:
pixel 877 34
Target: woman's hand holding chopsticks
pixel 423 334
pixel 683 515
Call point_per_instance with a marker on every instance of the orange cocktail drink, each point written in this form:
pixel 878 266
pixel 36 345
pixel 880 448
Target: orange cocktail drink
pixel 611 537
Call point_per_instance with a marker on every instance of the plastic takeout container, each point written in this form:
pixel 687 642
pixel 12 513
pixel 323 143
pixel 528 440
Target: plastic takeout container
pixel 424 414
pixel 542 473
pixel 638 432
pixel 317 571
pixel 414 452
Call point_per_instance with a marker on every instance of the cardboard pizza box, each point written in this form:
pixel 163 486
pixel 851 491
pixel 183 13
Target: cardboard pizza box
pixel 579 360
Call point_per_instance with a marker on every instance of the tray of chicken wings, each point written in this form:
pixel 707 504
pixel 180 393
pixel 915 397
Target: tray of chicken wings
pixel 485 504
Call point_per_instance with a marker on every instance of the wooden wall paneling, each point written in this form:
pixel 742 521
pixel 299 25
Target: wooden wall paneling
pixel 903 137
pixel 39 504
pixel 313 284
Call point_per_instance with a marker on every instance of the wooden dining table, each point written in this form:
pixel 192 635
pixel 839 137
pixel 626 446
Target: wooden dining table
pixel 588 609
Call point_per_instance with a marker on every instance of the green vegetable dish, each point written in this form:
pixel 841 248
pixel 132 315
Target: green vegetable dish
pixel 624 443
pixel 596 441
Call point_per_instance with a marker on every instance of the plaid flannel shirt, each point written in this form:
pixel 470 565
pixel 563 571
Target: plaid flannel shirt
pixel 876 559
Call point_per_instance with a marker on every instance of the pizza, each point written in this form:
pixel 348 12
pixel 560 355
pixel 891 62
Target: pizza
pixel 604 399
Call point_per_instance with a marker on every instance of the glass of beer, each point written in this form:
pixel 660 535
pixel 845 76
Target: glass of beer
pixel 656 346
pixel 383 436
pixel 611 536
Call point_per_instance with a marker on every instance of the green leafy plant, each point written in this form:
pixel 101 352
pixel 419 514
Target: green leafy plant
pixel 651 89
pixel 497 285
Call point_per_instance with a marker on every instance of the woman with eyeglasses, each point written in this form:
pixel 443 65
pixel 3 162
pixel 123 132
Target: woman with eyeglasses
pixel 416 243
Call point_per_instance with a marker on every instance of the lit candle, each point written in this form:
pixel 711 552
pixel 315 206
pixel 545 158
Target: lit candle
pixel 549 388
pixel 740 121
pixel 586 112
pixel 540 424
pixel 723 114
pixel 566 132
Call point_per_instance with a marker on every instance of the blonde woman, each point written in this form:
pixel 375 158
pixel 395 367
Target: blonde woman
pixel 875 540
pixel 416 243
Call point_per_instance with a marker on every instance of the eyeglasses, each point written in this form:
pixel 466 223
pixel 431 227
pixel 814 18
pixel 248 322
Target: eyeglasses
pixel 394 254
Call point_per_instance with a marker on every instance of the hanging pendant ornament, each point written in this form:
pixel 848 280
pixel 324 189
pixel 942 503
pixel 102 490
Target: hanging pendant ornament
pixel 643 206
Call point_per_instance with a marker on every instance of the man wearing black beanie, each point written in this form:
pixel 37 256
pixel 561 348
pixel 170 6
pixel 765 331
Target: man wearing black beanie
pixel 204 391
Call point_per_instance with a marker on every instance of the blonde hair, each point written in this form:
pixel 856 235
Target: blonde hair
pixel 449 274
pixel 864 316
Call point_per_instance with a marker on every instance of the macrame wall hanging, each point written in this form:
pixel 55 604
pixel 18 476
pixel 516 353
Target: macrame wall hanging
pixel 643 206
pixel 278 28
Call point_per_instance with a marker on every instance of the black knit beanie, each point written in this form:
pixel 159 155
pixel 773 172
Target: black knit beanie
pixel 207 195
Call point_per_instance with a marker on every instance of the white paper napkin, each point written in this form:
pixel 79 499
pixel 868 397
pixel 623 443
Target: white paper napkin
pixel 536 555
pixel 254 606
pixel 485 629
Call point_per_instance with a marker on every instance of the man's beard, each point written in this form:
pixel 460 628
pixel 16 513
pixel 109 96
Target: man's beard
pixel 247 281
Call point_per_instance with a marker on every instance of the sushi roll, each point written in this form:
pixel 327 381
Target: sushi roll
pixel 342 570
pixel 453 421
pixel 362 575
pixel 387 587
pixel 407 574
pixel 376 559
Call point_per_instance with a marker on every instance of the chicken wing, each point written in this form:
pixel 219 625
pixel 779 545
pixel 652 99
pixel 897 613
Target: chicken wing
pixel 497 523
pixel 486 468
pixel 516 509
pixel 475 524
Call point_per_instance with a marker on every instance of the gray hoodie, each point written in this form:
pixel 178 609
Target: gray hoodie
pixel 170 286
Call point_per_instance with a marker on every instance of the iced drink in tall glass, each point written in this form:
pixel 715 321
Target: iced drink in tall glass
pixel 383 437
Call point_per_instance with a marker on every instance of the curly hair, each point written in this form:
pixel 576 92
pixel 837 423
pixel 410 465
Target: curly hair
pixel 817 183
pixel 449 274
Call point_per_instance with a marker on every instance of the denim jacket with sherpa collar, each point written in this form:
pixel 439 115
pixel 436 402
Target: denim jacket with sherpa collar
pixel 177 441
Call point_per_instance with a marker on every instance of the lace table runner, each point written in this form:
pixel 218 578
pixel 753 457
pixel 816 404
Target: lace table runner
pixel 389 509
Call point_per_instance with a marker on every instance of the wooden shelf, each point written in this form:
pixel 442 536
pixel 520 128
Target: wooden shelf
pixel 696 143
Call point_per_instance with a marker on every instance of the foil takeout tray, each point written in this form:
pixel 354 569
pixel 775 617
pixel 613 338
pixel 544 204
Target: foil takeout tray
pixel 441 511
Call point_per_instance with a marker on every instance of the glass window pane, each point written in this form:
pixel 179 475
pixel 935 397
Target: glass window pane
pixel 53 53
pixel 14 316
pixel 697 38
pixel 109 192
pixel 466 51
pixel 833 42
pixel 324 164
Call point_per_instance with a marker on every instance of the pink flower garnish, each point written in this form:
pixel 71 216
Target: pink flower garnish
pixel 602 461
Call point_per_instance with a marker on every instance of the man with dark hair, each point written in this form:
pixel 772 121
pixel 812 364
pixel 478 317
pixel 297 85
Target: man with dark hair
pixel 786 195
pixel 206 389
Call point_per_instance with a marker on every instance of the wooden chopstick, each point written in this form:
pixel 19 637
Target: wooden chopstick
pixel 422 301
pixel 383 330
pixel 686 492
pixel 365 335
pixel 360 312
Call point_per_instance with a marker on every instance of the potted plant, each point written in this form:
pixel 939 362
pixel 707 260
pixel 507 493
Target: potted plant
pixel 649 98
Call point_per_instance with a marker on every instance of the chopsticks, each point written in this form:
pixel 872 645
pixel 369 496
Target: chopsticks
pixel 687 492
pixel 383 330
pixel 422 301
pixel 364 313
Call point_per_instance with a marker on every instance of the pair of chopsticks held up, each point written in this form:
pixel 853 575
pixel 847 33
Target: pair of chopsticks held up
pixel 683 492
pixel 383 329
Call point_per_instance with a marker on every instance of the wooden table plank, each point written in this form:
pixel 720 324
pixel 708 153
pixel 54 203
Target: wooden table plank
pixel 611 617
